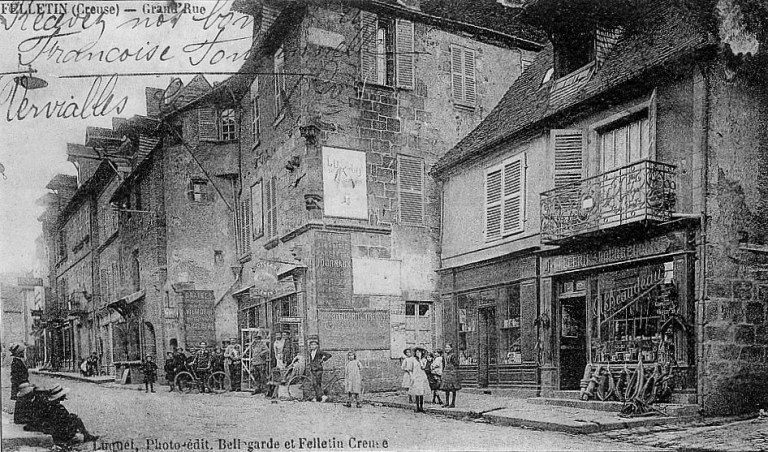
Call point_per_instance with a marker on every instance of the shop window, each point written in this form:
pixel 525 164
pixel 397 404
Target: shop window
pixel 288 306
pixel 468 329
pixel 418 324
pixel 632 311
pixel 510 338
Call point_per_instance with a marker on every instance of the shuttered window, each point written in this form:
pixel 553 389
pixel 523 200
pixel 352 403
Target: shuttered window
pixel 410 186
pixel 208 129
pixel 505 198
pixel 386 51
pixel 270 201
pixel 404 51
pixel 625 143
pixel 257 210
pixel 244 226
pixel 464 84
pixel 279 81
pixel 567 145
pixel 255 112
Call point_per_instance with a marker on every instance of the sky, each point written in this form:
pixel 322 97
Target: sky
pixel 33 149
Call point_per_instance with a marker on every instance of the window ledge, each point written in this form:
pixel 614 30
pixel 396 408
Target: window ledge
pixel 362 84
pixel 272 243
pixel 245 258
pixel 464 107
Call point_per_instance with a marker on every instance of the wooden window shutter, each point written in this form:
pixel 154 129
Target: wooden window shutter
pixel 493 200
pixel 652 117
pixel 567 145
pixel 410 183
pixel 457 73
pixel 207 124
pixel 404 52
pixel 514 188
pixel 368 23
pixel 470 85
pixel 268 208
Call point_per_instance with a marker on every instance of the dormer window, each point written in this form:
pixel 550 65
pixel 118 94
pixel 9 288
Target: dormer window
pixel 573 52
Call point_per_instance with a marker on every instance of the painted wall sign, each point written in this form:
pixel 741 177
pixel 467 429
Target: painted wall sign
pixel 613 254
pixel 199 320
pixel 333 269
pixel 360 330
pixel 345 193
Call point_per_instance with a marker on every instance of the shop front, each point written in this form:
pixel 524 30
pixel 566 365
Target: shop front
pixel 491 310
pixel 616 305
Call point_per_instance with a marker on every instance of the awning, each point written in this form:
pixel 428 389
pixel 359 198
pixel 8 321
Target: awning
pixel 121 305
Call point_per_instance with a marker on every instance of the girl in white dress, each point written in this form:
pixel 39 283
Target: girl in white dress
pixel 419 382
pixel 407 366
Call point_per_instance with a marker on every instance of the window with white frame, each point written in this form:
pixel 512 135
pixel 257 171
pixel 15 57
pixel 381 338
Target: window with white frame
pixel 625 141
pixel 255 112
pixel 387 51
pixel 505 198
pixel 463 82
pixel 280 93
pixel 228 124
pixel 418 324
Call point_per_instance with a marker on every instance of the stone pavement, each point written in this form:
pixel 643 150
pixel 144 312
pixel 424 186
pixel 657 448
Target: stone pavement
pixel 519 412
pixel 14 436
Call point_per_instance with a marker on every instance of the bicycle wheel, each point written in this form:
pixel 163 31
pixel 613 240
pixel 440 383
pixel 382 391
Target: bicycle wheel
pixel 219 382
pixel 336 390
pixel 298 386
pixel 185 382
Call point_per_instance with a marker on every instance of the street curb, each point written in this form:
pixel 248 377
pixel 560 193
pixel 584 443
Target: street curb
pixel 587 428
pixel 46 373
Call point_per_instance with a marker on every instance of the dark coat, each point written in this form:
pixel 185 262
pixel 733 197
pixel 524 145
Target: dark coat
pixel 19 375
pixel 316 364
pixel 24 410
pixel 60 423
pixel 150 371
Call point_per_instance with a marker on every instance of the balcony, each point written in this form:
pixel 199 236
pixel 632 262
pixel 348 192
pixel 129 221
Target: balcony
pixel 639 193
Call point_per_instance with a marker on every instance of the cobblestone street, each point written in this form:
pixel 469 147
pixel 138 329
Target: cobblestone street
pixel 119 414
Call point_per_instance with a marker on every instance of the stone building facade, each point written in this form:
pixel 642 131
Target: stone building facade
pixel 623 168
pixel 338 221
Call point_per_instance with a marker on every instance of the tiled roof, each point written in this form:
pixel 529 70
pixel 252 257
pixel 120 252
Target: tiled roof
pixel 486 14
pixel 660 37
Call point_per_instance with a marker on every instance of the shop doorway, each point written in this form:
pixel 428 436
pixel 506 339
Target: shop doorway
pixel 488 349
pixel 573 341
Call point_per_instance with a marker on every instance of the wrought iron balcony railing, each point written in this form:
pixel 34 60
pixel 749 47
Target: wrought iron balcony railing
pixel 639 192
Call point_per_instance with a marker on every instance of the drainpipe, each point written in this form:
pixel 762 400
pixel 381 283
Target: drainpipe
pixel 703 78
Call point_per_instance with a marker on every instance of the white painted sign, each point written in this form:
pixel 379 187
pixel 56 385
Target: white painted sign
pixel 375 277
pixel 345 193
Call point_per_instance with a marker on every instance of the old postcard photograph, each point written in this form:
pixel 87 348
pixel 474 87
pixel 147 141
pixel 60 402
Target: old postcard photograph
pixel 259 225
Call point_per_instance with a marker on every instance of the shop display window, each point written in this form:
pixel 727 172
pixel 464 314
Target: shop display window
pixel 630 314
pixel 510 347
pixel 468 328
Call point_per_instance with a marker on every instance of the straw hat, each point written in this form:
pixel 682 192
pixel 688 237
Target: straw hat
pixel 17 349
pixel 56 395
pixel 25 389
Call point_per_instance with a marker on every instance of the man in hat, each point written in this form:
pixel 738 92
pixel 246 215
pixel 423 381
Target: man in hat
pixel 202 365
pixel 60 423
pixel 259 358
pixel 316 359
pixel 24 410
pixel 19 372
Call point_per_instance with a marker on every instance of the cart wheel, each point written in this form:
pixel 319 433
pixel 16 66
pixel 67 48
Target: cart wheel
pixel 185 382
pixel 297 386
pixel 218 382
pixel 336 390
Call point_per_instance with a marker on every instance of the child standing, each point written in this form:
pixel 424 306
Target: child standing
pixel 407 367
pixel 150 373
pixel 436 375
pixel 170 368
pixel 419 381
pixel 353 379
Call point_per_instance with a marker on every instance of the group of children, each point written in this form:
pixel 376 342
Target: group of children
pixel 425 372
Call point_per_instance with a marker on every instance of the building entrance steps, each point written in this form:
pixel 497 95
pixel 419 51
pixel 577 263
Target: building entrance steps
pixel 530 413
pixel 15 437
pixel 99 379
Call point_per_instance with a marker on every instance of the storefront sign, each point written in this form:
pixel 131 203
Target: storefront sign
pixel 345 193
pixel 24 281
pixel 360 330
pixel 333 269
pixel 613 254
pixel 494 274
pixel 199 319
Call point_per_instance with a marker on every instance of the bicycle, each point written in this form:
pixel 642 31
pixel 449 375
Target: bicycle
pixel 332 387
pixel 187 380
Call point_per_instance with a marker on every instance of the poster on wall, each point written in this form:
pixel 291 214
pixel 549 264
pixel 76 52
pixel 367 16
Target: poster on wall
pixel 199 320
pixel 345 193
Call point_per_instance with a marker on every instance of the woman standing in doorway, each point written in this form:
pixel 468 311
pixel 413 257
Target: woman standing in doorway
pixel 450 383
